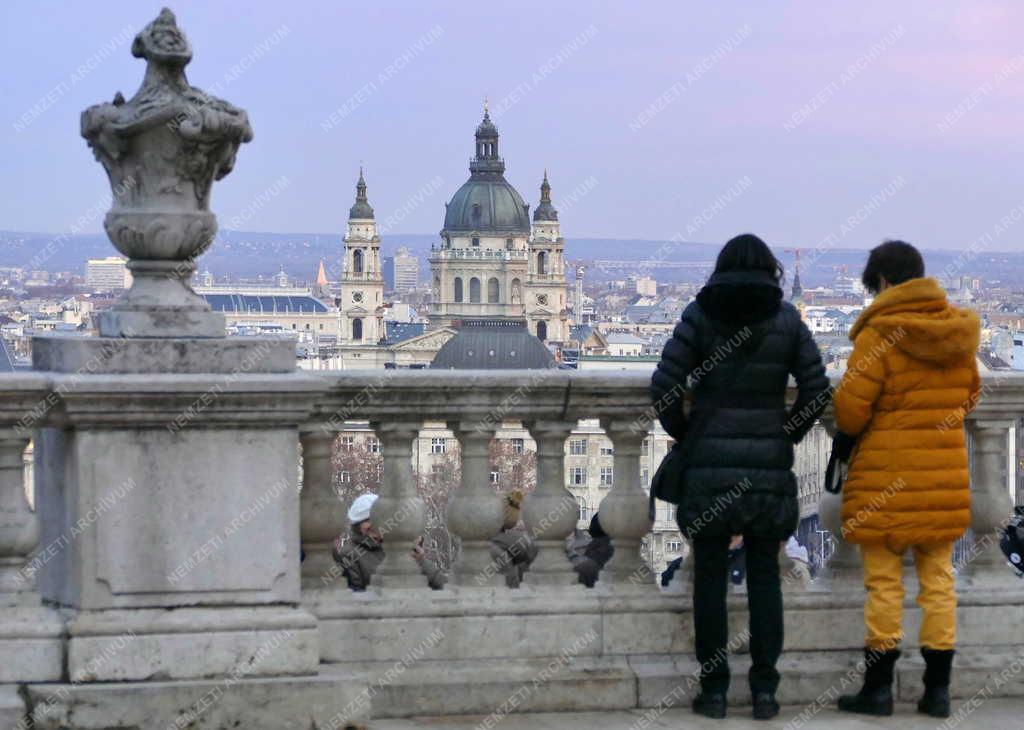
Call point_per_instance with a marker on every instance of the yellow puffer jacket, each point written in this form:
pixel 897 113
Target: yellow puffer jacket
pixel 911 380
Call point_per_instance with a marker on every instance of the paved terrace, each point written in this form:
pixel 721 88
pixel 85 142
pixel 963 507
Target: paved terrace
pixel 993 715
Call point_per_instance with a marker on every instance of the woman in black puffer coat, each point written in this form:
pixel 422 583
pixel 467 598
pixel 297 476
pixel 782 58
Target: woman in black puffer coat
pixel 734 349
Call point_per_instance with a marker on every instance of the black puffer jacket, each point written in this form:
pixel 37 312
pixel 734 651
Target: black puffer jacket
pixel 739 477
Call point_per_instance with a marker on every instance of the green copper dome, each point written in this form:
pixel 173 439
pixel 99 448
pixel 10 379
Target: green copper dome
pixel 487 203
pixel 361 209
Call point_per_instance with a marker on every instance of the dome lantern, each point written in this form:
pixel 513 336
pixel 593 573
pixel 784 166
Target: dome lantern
pixel 361 210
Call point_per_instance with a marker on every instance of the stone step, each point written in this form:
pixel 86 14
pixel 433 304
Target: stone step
pixel 531 623
pixel 994 714
pixel 497 687
pixel 572 683
pixel 281 703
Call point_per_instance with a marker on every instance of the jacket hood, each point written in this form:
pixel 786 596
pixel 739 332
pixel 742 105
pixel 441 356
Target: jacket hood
pixel 740 297
pixel 918 320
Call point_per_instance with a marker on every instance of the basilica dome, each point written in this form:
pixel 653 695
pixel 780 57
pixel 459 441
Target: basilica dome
pixel 487 206
pixel 487 203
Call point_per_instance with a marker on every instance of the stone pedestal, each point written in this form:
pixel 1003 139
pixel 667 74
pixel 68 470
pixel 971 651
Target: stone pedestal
pixel 171 500
pixel 160 302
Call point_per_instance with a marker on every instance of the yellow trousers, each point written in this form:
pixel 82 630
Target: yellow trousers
pixel 883 610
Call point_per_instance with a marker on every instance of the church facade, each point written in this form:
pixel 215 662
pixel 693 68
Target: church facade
pixel 492 261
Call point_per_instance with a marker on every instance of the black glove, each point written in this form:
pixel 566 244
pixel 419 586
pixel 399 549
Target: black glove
pixel 838 462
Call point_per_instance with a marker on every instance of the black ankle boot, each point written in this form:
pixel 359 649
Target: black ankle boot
pixel 875 697
pixel 765 706
pixel 710 704
pixel 937 667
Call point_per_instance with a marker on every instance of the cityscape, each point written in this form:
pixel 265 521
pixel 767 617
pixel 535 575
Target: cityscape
pixel 498 262
pixel 462 350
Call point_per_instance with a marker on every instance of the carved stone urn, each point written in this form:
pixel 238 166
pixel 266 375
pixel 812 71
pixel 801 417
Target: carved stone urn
pixel 162 150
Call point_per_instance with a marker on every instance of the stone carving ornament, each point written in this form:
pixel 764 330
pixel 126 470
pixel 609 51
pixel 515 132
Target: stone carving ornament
pixel 162 150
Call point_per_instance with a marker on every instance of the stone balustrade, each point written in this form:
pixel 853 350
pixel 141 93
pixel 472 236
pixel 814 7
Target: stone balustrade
pixel 549 403
pixel 477 254
pixel 356 631
pixel 475 404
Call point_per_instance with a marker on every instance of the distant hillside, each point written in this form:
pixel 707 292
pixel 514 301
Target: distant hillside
pixel 251 254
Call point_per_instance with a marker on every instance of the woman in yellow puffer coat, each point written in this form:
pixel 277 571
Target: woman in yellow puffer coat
pixel 910 381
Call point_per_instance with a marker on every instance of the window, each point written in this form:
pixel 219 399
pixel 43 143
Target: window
pixel 606 476
pixel 673 546
pixel 380 473
pixel 577 476
pixel 373 445
pixel 321 326
pixel 346 478
pixel 492 291
pixel 645 447
pixel 607 451
pixel 542 262
pixel 437 472
pixel 644 480
pixel 509 244
pixel 438 446
pixel 542 331
pixel 578 447
pixel 357 329
pixel 347 442
pixel 357 261
pixel 494 477
pixel 458 288
pixel 584 512
pixel 476 241
pixel 517 446
pixel 474 291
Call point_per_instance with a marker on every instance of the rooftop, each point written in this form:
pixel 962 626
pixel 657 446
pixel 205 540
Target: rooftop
pixel 492 344
pixel 268 303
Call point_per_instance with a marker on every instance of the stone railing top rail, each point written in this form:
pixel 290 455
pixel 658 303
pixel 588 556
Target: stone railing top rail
pixel 492 395
pixel 487 396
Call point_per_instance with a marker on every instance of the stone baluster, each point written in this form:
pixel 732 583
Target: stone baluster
pixel 549 512
pixel 19 527
pixel 322 514
pixel 399 514
pixel 625 511
pixel 991 505
pixel 31 633
pixel 475 512
pixel 790 577
pixel 843 572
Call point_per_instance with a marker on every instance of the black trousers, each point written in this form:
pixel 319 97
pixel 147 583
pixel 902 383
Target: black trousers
pixel 764 596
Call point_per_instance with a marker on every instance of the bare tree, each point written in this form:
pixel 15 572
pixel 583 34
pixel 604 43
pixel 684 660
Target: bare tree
pixel 356 468
pixel 434 488
pixel 515 465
